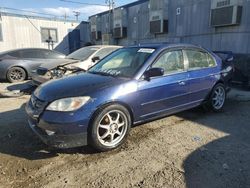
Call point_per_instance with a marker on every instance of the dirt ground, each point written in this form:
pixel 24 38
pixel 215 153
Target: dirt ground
pixel 190 149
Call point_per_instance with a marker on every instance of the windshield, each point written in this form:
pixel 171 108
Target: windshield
pixel 83 53
pixel 124 62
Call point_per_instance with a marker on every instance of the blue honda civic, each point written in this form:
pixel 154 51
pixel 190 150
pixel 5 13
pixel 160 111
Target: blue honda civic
pixel 130 86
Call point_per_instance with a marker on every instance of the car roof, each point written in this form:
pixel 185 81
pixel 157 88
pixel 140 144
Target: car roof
pixel 106 46
pixel 19 49
pixel 166 45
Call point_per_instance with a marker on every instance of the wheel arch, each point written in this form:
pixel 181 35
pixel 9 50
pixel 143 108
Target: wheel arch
pixel 220 81
pixel 108 104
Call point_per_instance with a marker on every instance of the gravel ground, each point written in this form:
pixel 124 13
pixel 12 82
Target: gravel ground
pixel 190 149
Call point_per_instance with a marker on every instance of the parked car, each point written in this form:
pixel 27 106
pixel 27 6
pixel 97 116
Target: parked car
pixel 17 65
pixel 242 70
pixel 130 86
pixel 227 58
pixel 79 60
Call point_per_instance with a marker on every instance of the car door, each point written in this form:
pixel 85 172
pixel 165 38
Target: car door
pixel 202 74
pixel 168 93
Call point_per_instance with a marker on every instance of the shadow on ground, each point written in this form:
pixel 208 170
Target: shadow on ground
pixel 19 86
pixel 17 139
pixel 224 162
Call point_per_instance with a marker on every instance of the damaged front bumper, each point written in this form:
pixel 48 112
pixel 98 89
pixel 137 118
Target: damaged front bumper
pixel 52 129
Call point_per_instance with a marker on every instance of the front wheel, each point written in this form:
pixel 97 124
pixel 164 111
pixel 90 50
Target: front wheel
pixel 217 98
pixel 16 74
pixel 110 127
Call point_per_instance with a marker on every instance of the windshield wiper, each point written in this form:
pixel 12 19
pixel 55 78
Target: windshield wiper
pixel 102 73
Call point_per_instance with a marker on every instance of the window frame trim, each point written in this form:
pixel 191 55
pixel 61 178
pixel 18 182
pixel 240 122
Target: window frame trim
pixel 198 50
pixel 49 28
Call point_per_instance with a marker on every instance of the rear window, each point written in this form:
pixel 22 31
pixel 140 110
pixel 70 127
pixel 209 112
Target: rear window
pixel 83 53
pixel 10 54
pixel 14 54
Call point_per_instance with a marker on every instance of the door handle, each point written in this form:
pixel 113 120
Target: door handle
pixel 182 83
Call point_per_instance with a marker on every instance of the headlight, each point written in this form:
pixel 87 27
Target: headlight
pixel 56 73
pixel 68 104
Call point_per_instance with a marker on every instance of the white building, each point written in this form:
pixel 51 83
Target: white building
pixel 22 31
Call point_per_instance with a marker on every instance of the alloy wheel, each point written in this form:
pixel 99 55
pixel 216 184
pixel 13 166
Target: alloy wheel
pixel 218 98
pixel 112 128
pixel 16 74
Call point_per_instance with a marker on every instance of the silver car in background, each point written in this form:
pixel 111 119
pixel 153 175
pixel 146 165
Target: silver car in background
pixel 80 60
pixel 17 65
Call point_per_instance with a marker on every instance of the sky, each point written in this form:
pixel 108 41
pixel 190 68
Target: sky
pixel 60 8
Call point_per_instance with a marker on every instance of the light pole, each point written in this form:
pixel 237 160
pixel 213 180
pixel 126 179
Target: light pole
pixel 111 5
pixel 77 14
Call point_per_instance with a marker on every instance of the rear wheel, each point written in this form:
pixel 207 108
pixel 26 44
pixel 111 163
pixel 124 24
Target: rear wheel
pixel 217 98
pixel 16 74
pixel 110 128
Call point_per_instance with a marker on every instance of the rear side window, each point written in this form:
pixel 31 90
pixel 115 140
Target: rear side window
pixel 171 62
pixel 14 54
pixel 211 62
pixel 199 60
pixel 32 54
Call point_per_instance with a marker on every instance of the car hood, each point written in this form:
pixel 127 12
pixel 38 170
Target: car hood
pixel 51 64
pixel 75 85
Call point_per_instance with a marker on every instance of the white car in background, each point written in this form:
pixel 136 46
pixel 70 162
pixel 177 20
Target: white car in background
pixel 80 60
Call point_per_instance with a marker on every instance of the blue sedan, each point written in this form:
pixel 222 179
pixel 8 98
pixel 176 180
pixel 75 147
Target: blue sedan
pixel 130 86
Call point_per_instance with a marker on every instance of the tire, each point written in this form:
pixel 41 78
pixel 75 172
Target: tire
pixel 16 74
pixel 108 130
pixel 217 98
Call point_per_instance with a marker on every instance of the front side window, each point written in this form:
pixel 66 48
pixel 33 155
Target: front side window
pixel 49 33
pixel 199 60
pixel 171 62
pixel 124 62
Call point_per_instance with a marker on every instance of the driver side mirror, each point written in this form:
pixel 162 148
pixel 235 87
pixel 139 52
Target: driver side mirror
pixel 94 59
pixel 153 72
